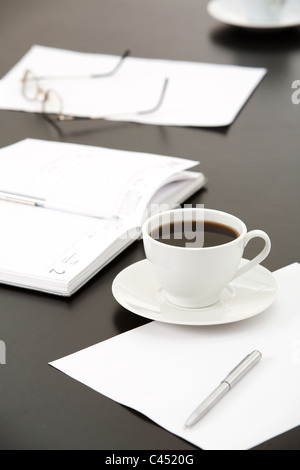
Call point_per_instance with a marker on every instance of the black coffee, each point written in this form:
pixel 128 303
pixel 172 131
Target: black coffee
pixel 194 234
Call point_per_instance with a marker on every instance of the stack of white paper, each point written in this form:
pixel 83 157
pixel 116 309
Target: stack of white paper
pixel 165 371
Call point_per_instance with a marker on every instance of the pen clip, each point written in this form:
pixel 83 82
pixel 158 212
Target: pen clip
pixel 241 369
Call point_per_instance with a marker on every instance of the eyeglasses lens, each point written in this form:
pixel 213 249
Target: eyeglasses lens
pixel 52 104
pixel 30 86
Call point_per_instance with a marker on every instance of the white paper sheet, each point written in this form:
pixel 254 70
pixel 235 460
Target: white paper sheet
pixel 198 94
pixel 165 371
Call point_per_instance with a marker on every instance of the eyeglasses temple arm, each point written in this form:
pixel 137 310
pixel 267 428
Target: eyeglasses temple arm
pixel 94 75
pixel 161 99
pixel 140 113
pixel 113 71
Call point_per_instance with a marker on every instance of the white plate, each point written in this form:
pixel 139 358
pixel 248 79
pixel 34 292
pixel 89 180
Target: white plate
pixel 231 12
pixel 136 289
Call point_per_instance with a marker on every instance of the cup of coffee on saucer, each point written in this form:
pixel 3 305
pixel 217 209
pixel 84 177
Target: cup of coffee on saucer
pixel 264 11
pixel 194 253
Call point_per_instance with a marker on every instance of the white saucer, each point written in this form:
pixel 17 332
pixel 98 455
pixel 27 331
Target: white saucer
pixel 136 289
pixel 231 12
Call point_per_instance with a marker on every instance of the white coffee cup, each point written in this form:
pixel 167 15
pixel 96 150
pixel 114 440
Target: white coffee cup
pixel 264 10
pixel 195 277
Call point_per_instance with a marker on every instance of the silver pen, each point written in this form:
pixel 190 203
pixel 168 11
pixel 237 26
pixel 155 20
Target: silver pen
pixel 232 378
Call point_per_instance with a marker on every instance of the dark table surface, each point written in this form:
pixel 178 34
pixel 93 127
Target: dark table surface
pixel 253 169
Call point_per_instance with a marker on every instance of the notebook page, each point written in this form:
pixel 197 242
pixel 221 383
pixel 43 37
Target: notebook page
pixel 47 244
pixel 88 180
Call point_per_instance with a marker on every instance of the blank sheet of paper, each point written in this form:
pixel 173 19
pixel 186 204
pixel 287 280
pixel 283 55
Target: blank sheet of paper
pixel 165 371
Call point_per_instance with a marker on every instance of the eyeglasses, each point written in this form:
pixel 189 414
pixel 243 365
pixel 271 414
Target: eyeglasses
pixel 52 102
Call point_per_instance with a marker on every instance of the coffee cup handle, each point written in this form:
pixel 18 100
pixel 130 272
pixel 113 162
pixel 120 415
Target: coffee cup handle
pixel 260 257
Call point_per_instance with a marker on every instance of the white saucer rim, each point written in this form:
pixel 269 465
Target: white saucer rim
pixel 155 317
pixel 248 24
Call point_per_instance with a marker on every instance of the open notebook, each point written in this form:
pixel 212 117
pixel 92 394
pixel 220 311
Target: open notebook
pixel 67 209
